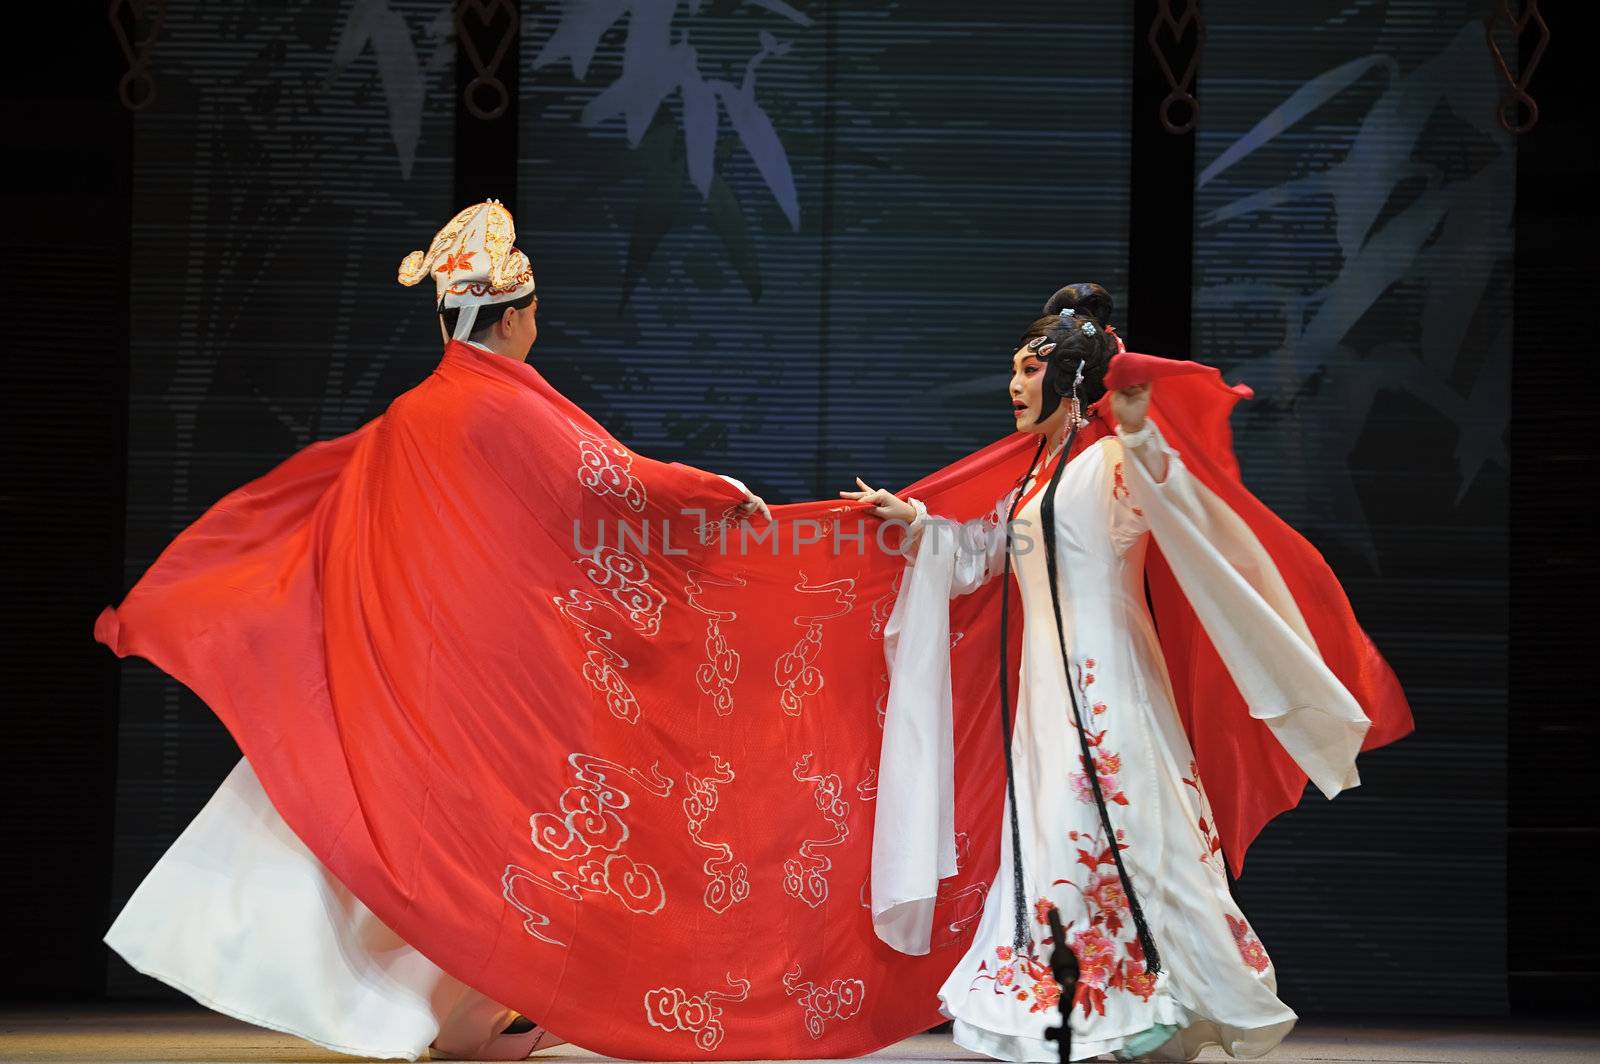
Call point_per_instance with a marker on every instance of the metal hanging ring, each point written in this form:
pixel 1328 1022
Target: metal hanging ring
pixel 137 87
pixel 486 74
pixel 137 99
pixel 1515 95
pixel 497 92
pixel 1514 105
pixel 1178 89
pixel 1186 100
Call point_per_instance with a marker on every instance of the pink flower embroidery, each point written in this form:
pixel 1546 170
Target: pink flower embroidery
pixel 1105 892
pixel 1107 766
pixel 1094 952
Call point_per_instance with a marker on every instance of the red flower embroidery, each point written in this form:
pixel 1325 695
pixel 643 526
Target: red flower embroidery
pixel 1106 763
pixel 1024 978
pixel 1250 948
pixel 1120 490
pixel 1046 995
pixel 1211 854
pixel 1106 962
pixel 1138 981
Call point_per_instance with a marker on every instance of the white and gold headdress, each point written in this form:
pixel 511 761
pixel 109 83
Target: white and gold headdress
pixel 473 263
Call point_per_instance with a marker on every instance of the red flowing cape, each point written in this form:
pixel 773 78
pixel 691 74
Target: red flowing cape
pixel 565 728
pixel 1249 777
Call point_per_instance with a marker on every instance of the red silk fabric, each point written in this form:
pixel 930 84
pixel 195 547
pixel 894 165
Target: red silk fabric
pixel 624 784
pixel 1248 776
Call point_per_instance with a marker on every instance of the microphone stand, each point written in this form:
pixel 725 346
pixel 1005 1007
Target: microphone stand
pixel 1064 967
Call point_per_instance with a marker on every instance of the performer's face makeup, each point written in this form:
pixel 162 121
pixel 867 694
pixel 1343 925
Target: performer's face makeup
pixel 1027 393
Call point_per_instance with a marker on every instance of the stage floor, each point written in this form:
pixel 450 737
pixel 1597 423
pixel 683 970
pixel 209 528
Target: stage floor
pixel 71 1035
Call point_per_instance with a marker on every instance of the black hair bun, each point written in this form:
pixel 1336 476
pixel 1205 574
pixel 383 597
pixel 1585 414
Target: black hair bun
pixel 1084 298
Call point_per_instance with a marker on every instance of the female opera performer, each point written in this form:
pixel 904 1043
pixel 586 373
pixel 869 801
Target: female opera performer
pixel 1106 817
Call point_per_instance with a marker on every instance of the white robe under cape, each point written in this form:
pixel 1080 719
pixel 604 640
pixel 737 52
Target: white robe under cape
pixel 240 916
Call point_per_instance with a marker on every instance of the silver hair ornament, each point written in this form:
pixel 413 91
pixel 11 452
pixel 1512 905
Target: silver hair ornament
pixel 1087 328
pixel 1077 404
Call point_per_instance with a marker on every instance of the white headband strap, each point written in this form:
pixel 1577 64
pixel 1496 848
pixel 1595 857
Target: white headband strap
pixel 465 318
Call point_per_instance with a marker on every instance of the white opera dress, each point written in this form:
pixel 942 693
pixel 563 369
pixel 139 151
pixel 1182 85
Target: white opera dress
pixel 1217 985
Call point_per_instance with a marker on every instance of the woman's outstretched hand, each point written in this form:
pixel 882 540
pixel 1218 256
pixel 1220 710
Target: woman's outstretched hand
pixel 1130 406
pixel 885 504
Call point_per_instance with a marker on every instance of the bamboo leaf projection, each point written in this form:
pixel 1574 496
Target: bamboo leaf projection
pixel 660 68
pixel 1407 222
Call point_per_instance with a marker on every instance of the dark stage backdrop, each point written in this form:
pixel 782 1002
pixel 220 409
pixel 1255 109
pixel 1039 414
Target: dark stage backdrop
pixel 816 267
pixel 1353 262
